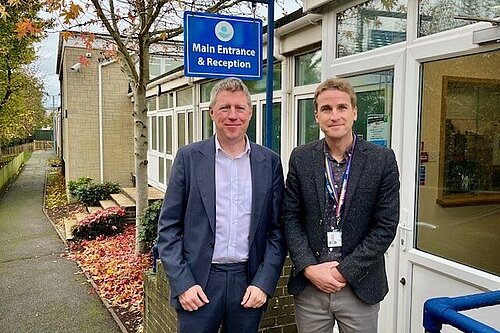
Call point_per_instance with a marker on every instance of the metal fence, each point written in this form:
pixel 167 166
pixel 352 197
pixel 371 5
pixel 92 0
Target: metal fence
pixel 444 310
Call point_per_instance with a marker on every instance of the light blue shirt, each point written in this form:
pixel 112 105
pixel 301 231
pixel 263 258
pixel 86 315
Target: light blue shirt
pixel 233 205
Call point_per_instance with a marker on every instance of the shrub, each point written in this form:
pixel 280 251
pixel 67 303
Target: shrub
pixel 74 186
pixel 90 193
pixel 149 224
pixel 106 222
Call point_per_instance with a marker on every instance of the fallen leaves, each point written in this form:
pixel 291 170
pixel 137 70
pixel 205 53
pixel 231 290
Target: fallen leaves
pixel 112 264
pixel 56 190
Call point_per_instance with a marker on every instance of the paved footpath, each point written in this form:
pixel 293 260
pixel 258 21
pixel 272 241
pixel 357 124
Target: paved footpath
pixel 40 291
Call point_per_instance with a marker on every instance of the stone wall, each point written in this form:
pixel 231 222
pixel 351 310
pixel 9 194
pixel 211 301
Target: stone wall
pixel 160 317
pixel 81 124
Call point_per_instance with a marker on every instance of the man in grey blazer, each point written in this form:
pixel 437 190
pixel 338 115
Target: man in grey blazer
pixel 219 235
pixel 341 210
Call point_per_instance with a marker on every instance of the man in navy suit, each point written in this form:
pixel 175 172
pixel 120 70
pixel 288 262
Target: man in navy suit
pixel 220 238
pixel 341 211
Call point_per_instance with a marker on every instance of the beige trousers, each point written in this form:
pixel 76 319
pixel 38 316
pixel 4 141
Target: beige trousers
pixel 317 312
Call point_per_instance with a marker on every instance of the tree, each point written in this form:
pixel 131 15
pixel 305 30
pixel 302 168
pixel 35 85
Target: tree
pixel 136 26
pixel 23 113
pixel 20 28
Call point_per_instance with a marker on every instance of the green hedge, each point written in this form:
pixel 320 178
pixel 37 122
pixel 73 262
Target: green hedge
pixel 12 168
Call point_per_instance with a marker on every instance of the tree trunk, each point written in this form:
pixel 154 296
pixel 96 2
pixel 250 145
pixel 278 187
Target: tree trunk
pixel 141 161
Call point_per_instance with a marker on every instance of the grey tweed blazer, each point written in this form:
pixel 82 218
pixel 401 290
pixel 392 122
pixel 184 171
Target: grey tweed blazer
pixel 369 222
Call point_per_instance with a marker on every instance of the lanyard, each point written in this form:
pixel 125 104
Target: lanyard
pixel 330 183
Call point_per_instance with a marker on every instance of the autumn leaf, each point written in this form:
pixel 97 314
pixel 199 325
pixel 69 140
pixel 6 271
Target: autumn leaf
pixel 25 28
pixel 53 5
pixel 3 13
pixel 83 60
pixel 115 268
pixel 88 39
pixel 66 35
pixel 71 13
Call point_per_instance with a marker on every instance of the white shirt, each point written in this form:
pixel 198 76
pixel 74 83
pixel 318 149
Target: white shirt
pixel 233 205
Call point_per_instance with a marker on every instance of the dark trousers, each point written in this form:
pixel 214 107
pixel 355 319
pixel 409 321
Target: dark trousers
pixel 226 286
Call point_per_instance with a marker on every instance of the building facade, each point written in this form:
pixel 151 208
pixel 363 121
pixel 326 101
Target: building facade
pixel 428 86
pixel 96 123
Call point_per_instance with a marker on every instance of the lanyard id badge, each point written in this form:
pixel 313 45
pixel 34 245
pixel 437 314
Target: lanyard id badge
pixel 330 185
pixel 334 238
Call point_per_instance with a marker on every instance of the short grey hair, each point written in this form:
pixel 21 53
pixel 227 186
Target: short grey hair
pixel 232 84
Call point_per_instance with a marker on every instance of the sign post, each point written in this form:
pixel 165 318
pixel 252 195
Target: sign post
pixel 222 46
pixel 218 46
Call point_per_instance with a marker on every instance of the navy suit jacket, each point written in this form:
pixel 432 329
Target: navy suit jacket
pixel 186 229
pixel 370 216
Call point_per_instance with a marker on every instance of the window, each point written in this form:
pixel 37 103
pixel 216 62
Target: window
pixel 207 125
pixel 276 129
pixel 154 136
pixel 190 126
pixel 161 171
pixel 374 99
pixel 161 145
pixel 166 101
pixel 256 87
pixel 154 67
pixel 470 141
pixel 459 168
pixel 168 135
pixel 308 68
pixel 370 25
pixel 252 126
pixel 151 103
pixel 205 90
pixel 185 97
pixel 307 129
pixel 439 15
pixel 168 170
pixel 181 129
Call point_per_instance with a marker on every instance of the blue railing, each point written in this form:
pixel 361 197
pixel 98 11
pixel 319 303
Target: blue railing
pixel 444 310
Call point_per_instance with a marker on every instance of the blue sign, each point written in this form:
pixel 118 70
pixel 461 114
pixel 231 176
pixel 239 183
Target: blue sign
pixel 222 46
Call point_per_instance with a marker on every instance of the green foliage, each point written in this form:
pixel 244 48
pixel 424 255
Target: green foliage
pixel 90 193
pixel 23 111
pixel 149 224
pixel 75 185
pixel 106 222
pixel 21 92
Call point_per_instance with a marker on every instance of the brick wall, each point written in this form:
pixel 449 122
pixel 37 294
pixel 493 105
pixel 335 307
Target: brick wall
pixel 160 317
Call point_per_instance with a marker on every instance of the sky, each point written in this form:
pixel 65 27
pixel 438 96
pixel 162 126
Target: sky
pixel 45 66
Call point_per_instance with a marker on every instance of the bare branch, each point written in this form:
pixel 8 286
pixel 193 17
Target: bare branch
pixel 122 49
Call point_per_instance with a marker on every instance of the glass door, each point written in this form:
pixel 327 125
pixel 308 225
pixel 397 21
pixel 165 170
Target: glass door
pixel 449 231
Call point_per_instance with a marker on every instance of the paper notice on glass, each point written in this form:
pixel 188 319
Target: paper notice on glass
pixel 377 129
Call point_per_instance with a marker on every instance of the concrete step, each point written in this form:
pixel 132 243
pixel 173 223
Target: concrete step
pixel 123 201
pixel 105 204
pixel 80 216
pixel 93 209
pixel 153 193
pixel 69 223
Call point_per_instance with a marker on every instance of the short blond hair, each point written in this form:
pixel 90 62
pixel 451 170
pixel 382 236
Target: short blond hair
pixel 230 84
